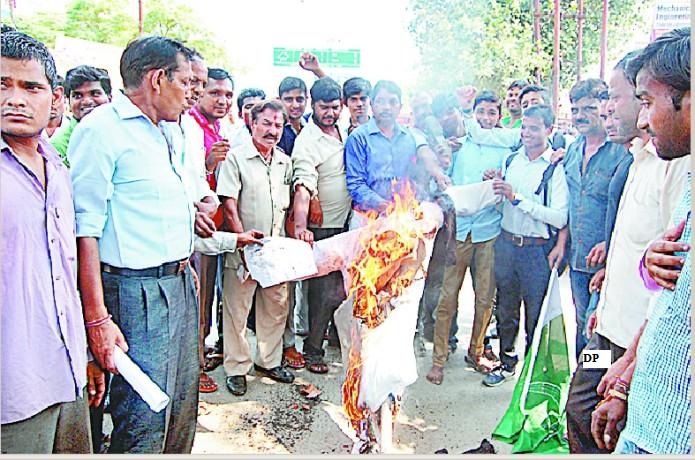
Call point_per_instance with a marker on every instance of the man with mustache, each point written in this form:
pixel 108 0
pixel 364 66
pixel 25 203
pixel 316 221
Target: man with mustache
pixel 87 88
pixel 45 388
pixel 649 197
pixel 653 378
pixel 135 231
pixel 254 184
pixel 319 171
pixel 590 164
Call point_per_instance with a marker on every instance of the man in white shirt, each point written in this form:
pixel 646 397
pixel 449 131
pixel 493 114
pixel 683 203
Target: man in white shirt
pixel 536 205
pixel 319 172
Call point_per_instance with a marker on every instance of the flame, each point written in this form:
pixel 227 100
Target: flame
pixel 386 243
pixel 381 271
pixel 351 387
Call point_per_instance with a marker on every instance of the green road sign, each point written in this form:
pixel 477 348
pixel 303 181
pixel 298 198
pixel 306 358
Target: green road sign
pixel 285 57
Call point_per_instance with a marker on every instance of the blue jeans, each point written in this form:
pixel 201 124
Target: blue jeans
pixel 580 297
pixel 625 446
pixel 158 318
pixel 521 273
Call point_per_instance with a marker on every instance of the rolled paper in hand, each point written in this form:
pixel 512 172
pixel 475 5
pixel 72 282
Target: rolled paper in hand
pixel 141 383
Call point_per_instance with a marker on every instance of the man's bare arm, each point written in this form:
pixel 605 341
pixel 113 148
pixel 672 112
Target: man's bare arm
pixel 104 337
pixel 231 215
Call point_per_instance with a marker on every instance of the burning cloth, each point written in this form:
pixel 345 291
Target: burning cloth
pixel 384 265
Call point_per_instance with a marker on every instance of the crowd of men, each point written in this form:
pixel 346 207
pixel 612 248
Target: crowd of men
pixel 126 222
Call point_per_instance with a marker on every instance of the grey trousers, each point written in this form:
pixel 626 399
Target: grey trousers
pixel 60 429
pixel 159 319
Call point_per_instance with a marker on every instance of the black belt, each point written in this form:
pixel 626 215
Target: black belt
pixel 522 241
pixel 166 269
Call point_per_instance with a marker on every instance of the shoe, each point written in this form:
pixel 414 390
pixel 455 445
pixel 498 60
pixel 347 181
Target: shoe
pixel 499 376
pixel 236 384
pixel 279 373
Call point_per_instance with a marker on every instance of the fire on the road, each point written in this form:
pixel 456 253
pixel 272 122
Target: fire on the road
pixel 377 275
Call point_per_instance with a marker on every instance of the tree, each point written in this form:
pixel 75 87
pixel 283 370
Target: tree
pixel 180 22
pixel 107 21
pixel 490 43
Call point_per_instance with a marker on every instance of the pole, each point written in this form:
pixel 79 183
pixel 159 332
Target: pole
pixel 604 38
pixel 580 38
pixel 556 55
pixel 141 17
pixel 537 36
pixel 386 418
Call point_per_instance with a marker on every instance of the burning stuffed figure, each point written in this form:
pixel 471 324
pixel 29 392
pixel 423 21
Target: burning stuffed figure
pixel 384 276
pixel 384 265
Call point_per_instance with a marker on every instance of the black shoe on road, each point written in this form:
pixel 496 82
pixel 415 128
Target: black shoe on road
pixel 236 384
pixel 279 373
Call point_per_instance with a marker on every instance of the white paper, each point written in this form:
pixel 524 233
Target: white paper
pixel 471 198
pixel 279 260
pixel 141 383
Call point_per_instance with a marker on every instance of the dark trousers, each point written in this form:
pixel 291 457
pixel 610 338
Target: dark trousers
pixel 580 296
pixel 582 399
pixel 521 274
pixel 96 418
pixel 206 266
pixel 443 254
pixel 159 319
pixel 325 294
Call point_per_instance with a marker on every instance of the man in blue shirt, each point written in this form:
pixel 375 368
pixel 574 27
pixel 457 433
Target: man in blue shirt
pixel 293 94
pixel 590 164
pixel 653 378
pixel 383 151
pixel 135 223
pixel 475 235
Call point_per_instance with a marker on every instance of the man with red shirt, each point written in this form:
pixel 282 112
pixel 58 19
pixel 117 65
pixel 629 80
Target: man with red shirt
pixel 214 104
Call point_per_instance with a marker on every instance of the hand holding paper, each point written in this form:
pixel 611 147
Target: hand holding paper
pixel 141 383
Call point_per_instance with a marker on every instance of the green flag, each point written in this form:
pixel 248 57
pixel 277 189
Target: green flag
pixel 535 420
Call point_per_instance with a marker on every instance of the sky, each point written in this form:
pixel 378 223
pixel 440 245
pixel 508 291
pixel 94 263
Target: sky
pixel 249 30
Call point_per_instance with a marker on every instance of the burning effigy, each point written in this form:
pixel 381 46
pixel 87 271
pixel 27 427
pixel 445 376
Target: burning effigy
pixel 384 265
pixel 384 276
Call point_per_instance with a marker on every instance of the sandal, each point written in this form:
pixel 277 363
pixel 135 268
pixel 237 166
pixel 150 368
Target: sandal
pixel 317 366
pixel 480 363
pixel 212 361
pixel 206 384
pixel 292 358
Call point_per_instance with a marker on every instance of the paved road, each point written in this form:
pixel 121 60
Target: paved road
pixel 276 418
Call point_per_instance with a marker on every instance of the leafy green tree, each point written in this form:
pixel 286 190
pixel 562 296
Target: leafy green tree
pixel 100 21
pixel 181 23
pixel 489 43
pixel 108 21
